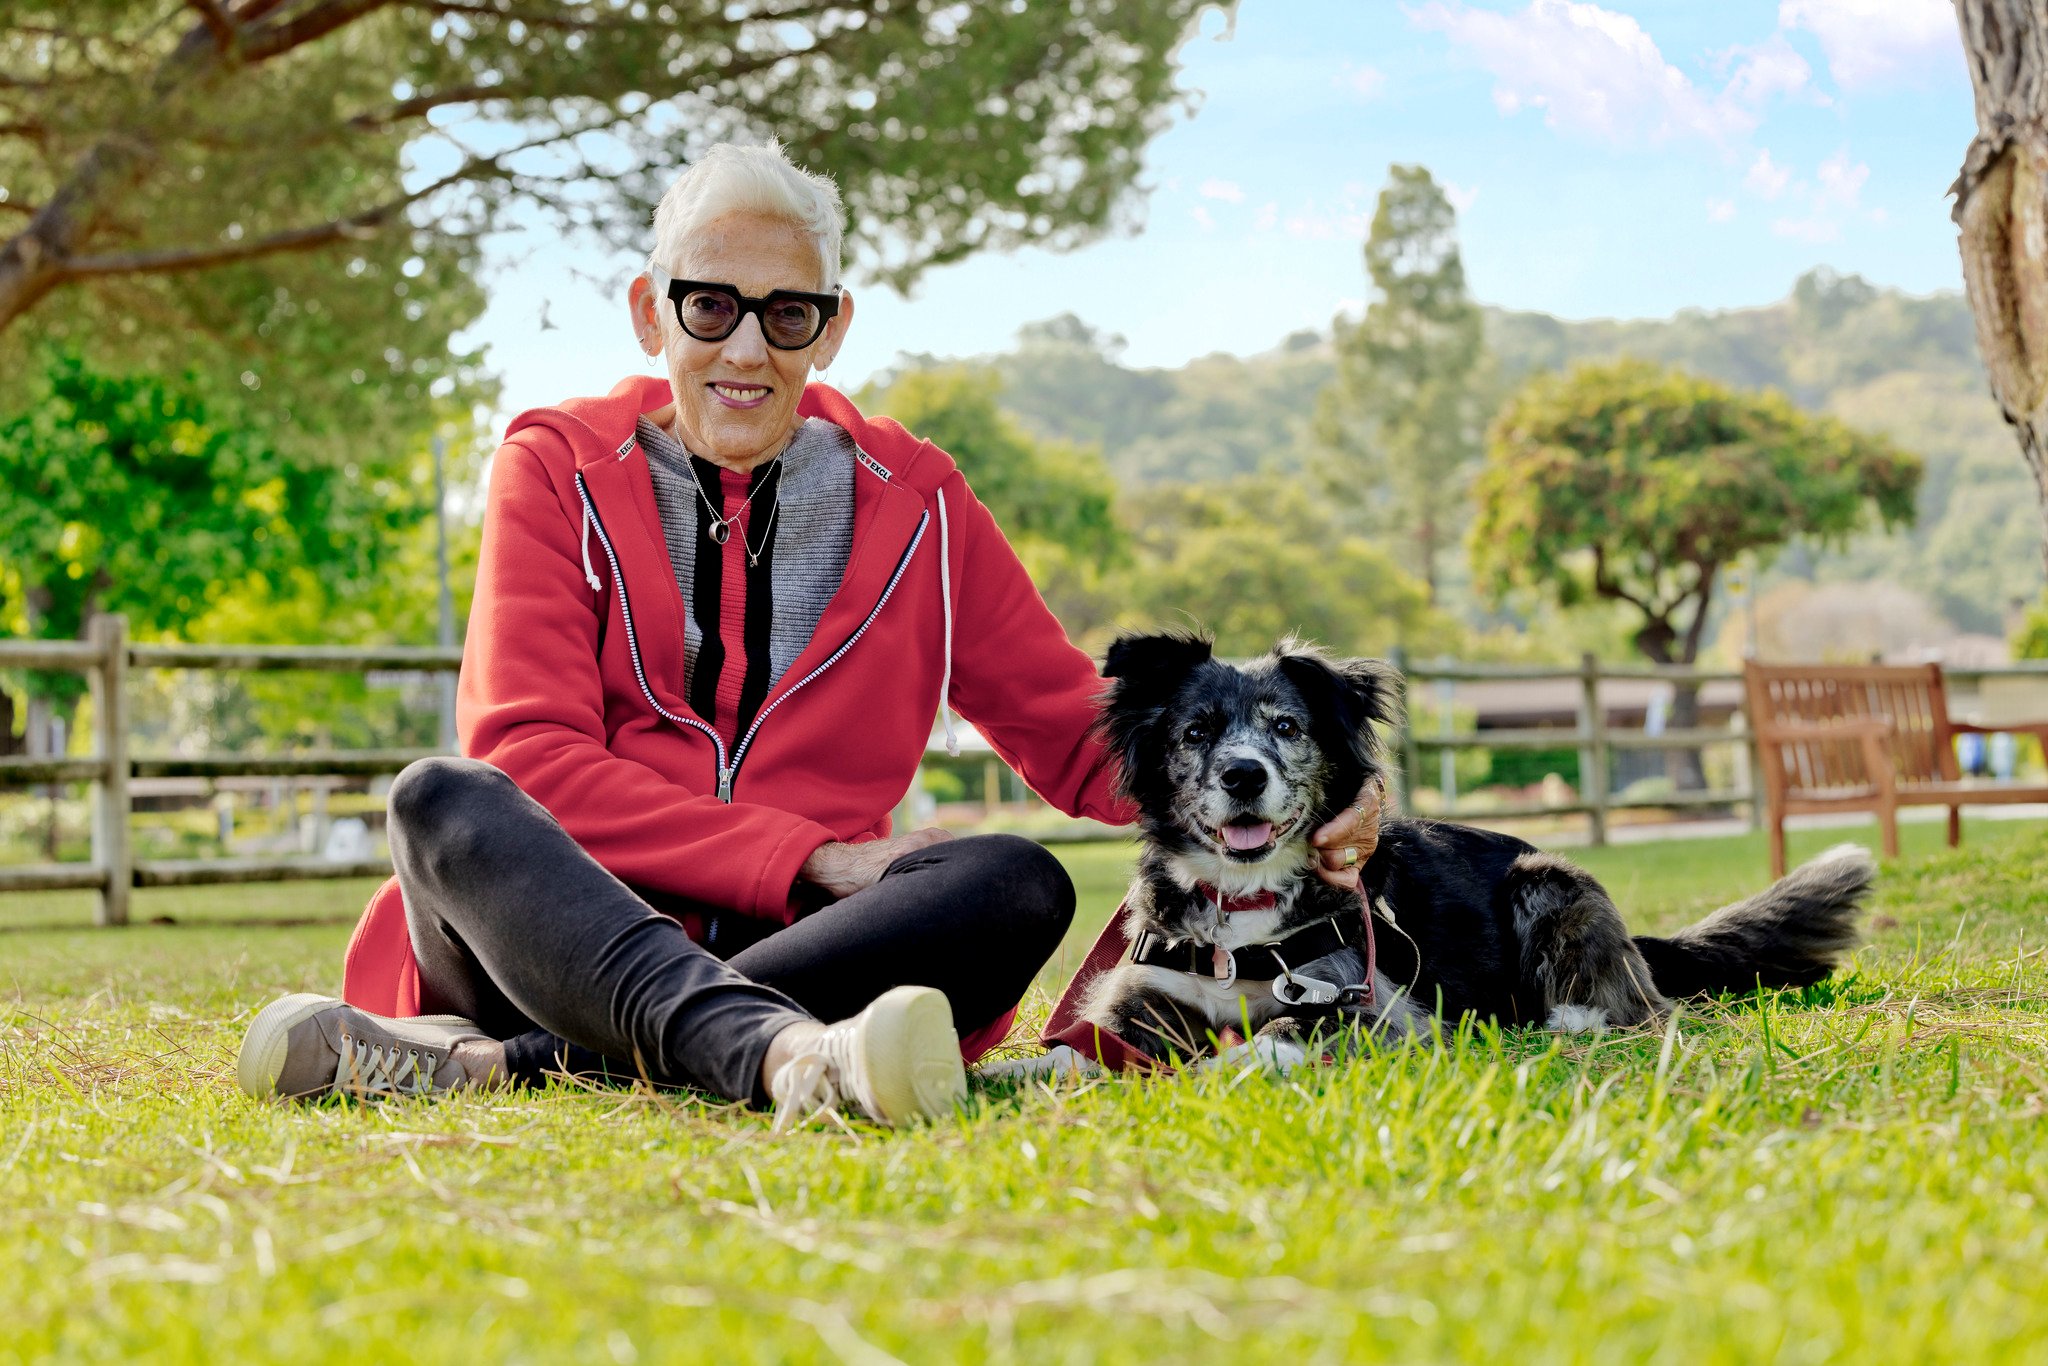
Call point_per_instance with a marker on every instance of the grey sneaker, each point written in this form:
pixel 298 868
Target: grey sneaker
pixel 896 1061
pixel 302 1046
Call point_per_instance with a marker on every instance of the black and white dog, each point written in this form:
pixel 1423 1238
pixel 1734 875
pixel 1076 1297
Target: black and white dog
pixel 1232 769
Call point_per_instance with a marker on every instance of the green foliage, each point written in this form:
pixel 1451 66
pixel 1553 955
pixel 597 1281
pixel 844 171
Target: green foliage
pixel 2031 640
pixel 1048 492
pixel 1401 423
pixel 1901 366
pixel 1216 417
pixel 147 496
pixel 1638 484
pixel 289 142
pixel 1254 559
pixel 1854 1172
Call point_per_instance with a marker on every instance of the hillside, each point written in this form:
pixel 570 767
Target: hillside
pixel 1895 363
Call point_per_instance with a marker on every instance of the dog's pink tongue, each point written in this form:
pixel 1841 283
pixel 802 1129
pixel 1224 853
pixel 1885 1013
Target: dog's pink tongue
pixel 1247 836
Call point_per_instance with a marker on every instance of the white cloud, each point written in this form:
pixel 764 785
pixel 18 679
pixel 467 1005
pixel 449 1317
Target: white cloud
pixel 1229 191
pixel 1767 71
pixel 1766 178
pixel 1841 181
pixel 1720 210
pixel 1593 71
pixel 1462 197
pixel 1366 82
pixel 1203 218
pixel 1269 214
pixel 1870 42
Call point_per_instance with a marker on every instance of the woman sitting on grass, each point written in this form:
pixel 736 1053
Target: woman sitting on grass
pixel 716 614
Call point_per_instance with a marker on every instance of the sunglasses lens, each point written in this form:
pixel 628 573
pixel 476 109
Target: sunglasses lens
pixel 790 323
pixel 707 315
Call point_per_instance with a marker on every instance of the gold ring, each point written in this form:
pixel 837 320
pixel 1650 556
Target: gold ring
pixel 1350 858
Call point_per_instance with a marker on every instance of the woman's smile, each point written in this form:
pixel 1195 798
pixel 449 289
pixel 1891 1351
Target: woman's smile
pixel 740 395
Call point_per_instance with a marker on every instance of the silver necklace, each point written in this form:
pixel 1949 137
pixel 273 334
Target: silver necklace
pixel 719 529
pixel 754 555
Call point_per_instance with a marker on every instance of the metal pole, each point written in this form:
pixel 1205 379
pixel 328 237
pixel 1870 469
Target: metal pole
pixel 1411 753
pixel 1593 748
pixel 111 852
pixel 1447 762
pixel 447 632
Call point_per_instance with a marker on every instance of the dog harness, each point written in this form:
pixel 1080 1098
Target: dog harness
pixel 1276 960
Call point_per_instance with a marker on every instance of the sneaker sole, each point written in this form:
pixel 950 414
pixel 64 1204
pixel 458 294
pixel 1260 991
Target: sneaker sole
pixel 264 1047
pixel 912 1056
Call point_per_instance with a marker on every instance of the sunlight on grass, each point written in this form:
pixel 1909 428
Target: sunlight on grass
pixel 1856 1171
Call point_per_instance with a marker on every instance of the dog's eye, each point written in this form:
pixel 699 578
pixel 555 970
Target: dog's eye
pixel 1198 734
pixel 1286 727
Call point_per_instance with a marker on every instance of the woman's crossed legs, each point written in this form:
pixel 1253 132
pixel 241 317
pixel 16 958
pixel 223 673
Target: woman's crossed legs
pixel 519 930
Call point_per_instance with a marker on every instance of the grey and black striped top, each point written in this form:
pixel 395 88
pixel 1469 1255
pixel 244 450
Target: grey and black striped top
pixel 800 561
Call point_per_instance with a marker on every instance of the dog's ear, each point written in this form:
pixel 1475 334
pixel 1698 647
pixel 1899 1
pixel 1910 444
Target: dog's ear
pixel 1154 664
pixel 1144 673
pixel 1345 698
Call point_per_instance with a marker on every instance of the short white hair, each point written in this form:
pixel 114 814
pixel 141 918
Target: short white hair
pixel 731 178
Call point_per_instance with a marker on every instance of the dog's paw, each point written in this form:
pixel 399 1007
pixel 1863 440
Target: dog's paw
pixel 1059 1061
pixel 1269 1054
pixel 1577 1020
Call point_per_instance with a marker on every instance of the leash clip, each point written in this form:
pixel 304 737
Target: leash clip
pixel 1306 991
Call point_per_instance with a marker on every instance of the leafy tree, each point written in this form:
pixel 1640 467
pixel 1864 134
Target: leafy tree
pixel 142 143
pixel 1047 492
pixel 1403 421
pixel 153 498
pixel 1254 559
pixel 1636 484
pixel 1055 500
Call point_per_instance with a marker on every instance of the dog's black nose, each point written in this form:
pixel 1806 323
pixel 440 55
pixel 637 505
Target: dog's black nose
pixel 1244 779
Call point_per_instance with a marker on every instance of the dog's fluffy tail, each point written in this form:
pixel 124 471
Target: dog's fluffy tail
pixel 1791 934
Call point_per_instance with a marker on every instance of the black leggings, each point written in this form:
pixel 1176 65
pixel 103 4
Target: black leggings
pixel 518 929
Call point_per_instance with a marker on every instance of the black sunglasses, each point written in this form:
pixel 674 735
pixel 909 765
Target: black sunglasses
pixel 790 318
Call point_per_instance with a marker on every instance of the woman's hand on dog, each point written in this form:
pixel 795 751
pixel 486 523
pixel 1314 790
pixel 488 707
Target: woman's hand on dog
pixel 843 869
pixel 1356 827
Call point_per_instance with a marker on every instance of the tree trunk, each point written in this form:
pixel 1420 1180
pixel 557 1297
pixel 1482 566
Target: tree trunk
pixel 2001 215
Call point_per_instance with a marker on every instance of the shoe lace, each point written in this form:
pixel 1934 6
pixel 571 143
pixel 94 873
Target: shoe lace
pixel 803 1088
pixel 816 1081
pixel 364 1067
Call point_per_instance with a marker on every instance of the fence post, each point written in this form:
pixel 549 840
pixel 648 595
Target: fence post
pixel 110 848
pixel 1404 741
pixel 1593 748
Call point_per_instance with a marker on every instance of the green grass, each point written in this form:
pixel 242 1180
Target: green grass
pixel 1856 1172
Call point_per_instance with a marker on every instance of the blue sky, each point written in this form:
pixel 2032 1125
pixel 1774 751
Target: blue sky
pixel 1610 159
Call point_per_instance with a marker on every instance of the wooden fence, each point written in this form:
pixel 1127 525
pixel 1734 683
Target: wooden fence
pixel 107 657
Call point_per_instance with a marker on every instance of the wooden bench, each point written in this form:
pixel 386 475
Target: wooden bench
pixel 1865 738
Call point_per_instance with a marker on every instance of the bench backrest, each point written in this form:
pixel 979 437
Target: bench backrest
pixel 1911 697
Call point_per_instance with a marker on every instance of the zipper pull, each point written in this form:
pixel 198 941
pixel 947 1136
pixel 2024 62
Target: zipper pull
pixel 725 784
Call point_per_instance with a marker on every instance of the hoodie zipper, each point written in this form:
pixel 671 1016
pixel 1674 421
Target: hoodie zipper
pixel 728 771
pixel 633 645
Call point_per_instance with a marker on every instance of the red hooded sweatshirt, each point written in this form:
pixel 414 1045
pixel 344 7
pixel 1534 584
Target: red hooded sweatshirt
pixel 572 676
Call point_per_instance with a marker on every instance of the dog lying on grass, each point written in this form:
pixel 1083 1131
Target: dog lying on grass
pixel 1231 768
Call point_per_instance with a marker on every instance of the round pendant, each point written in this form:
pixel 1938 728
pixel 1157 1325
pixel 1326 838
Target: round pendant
pixel 718 530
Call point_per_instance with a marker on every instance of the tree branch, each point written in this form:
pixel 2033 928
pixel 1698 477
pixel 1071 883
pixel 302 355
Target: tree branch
pixel 272 40
pixel 1608 587
pixel 421 104
pixel 354 227
pixel 218 22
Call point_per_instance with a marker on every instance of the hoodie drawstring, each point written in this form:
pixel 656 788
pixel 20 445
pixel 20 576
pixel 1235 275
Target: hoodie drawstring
pixel 946 595
pixel 589 573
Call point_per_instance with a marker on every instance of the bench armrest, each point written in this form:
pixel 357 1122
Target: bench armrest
pixel 2035 728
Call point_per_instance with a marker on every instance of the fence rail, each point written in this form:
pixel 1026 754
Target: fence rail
pixel 107 656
